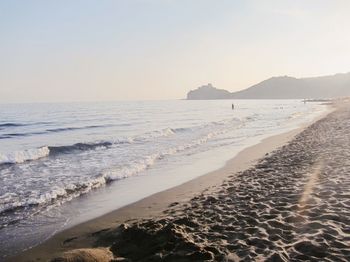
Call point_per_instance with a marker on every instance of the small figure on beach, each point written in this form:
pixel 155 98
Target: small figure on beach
pixel 233 106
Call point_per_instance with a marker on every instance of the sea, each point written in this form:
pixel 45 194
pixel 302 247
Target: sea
pixel 65 163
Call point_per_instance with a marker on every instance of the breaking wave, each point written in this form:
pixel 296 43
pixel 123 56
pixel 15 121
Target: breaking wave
pixel 56 150
pixel 68 192
pixel 25 155
pixel 45 151
pixel 34 154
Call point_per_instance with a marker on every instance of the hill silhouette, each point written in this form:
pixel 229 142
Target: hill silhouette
pixel 282 87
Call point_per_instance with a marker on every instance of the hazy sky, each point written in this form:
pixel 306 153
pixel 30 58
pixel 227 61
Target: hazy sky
pixel 159 49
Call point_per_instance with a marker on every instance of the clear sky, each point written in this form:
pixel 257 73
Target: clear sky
pixel 71 50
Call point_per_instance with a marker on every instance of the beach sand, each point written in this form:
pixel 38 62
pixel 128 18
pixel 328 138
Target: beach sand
pixel 291 205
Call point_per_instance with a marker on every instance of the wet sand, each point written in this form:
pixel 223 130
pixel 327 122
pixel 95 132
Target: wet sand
pixel 293 204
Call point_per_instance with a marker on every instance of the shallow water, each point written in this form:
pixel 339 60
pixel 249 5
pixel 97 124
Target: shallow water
pixel 61 164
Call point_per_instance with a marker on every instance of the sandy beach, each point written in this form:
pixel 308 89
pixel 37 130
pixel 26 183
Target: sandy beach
pixel 285 199
pixel 177 131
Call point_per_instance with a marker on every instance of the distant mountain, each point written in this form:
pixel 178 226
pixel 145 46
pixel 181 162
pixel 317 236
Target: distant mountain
pixel 283 87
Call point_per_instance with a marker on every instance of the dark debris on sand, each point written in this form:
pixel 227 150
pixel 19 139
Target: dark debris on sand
pixel 294 205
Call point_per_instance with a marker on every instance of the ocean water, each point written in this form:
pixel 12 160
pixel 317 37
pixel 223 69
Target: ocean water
pixel 62 164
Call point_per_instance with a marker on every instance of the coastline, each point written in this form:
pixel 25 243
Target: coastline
pixel 85 234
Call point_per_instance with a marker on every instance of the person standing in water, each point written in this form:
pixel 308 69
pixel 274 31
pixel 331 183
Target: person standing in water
pixel 233 106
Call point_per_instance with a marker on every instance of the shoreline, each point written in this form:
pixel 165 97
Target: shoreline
pixel 85 234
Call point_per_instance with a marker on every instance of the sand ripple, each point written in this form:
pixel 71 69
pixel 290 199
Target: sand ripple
pixel 294 205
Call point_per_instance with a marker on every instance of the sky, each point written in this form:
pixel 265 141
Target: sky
pixel 84 50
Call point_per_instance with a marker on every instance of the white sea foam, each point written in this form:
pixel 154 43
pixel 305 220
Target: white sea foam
pixel 25 155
